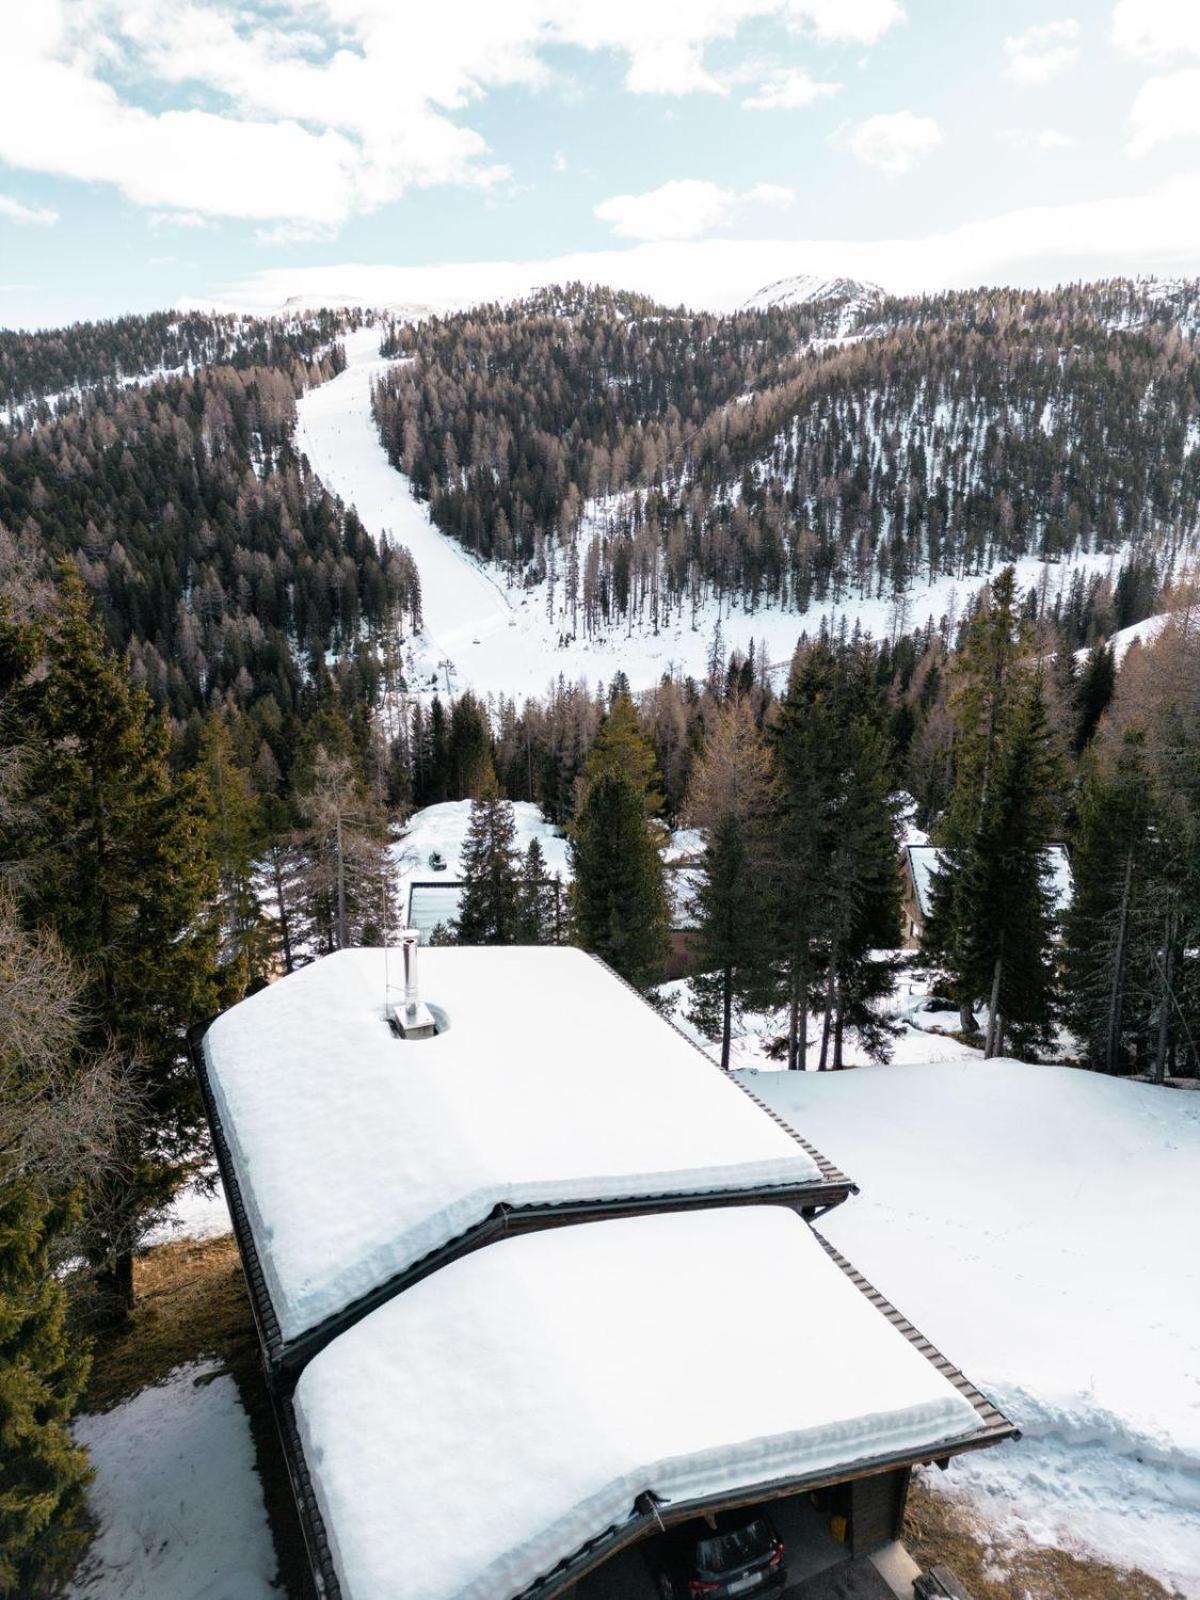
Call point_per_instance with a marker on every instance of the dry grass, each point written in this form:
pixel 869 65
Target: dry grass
pixel 940 1528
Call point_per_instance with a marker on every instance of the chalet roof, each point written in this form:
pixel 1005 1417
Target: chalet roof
pixel 358 1159
pixel 923 861
pixel 500 1426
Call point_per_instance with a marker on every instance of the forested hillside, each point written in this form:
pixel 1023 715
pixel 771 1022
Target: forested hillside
pixel 44 363
pixel 654 459
pixel 219 565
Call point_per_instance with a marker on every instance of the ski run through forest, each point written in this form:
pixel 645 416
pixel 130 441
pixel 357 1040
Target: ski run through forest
pixel 667 635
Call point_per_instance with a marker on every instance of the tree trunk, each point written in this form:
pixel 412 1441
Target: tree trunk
pixel 827 1020
pixel 341 889
pixel 839 1028
pixel 992 1043
pixel 726 1016
pixel 1116 999
pixel 798 1019
pixel 284 930
pixel 1164 1004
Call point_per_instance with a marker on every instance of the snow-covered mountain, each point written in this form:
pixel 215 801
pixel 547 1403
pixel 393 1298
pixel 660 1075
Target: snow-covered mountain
pixel 850 296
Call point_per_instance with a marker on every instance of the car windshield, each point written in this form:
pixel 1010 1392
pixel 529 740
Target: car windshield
pixel 725 1552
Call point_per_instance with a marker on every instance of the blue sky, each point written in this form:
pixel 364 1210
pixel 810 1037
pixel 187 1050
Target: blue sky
pixel 153 151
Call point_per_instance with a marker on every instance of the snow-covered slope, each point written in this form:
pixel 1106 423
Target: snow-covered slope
pixel 849 296
pixel 481 634
pixel 1038 1224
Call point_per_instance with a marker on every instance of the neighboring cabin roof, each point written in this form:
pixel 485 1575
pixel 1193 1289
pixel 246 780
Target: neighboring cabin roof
pixel 357 1157
pixel 503 1420
pixel 923 860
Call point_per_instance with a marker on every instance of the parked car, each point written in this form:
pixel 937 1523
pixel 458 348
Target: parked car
pixel 735 1553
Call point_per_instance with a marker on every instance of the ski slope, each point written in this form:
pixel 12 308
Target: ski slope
pixel 480 634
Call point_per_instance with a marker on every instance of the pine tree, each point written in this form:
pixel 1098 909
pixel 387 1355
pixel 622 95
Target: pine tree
pixel 998 885
pixel 618 896
pixel 124 879
pixel 731 946
pixel 621 746
pixel 489 911
pixel 537 900
pixel 43 1473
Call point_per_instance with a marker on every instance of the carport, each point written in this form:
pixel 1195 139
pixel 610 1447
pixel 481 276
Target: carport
pixel 527 1420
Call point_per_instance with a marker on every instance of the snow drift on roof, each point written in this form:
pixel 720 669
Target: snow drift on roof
pixel 358 1154
pixel 481 1427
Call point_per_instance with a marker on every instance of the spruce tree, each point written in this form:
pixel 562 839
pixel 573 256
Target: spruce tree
pixel 489 911
pixel 537 900
pixel 43 1473
pixel 731 946
pixel 998 885
pixel 618 896
pixel 124 878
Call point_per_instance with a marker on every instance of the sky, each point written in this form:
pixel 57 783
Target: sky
pixel 163 152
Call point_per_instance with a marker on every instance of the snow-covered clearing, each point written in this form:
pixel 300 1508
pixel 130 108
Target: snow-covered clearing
pixel 441 831
pixel 1038 1224
pixel 176 1496
pixel 500 640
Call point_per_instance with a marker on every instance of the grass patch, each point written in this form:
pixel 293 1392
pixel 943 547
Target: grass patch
pixel 941 1528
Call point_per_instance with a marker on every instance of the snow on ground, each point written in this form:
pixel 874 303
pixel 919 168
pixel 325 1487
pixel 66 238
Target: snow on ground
pixel 1144 632
pixel 176 1496
pixel 1038 1224
pixel 198 1211
pixel 441 831
pixel 500 640
pixel 497 1416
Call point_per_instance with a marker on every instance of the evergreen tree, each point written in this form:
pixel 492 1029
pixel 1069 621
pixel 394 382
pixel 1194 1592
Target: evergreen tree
pixel 998 885
pixel 1093 693
pixel 43 1473
pixel 621 746
pixel 1100 947
pixel 618 896
pixel 123 877
pixel 731 947
pixel 537 900
pixel 489 911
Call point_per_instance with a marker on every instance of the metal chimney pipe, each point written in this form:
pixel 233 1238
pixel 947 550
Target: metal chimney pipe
pixel 408 950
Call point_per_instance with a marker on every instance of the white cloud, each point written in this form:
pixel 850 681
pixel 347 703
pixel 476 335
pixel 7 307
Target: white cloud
pixel 1041 52
pixel 296 233
pixel 686 208
pixel 1164 110
pixel 317 110
pixel 893 141
pixel 17 211
pixel 156 221
pixel 1153 231
pixel 1157 30
pixel 558 162
pixel 1044 139
pixel 788 89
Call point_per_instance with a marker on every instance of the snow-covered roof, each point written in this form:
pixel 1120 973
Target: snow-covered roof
pixel 479 1429
pixel 923 861
pixel 357 1154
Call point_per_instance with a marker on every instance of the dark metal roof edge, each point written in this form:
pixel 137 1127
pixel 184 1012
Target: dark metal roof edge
pixel 996 1425
pixel 270 1336
pixel 831 1173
